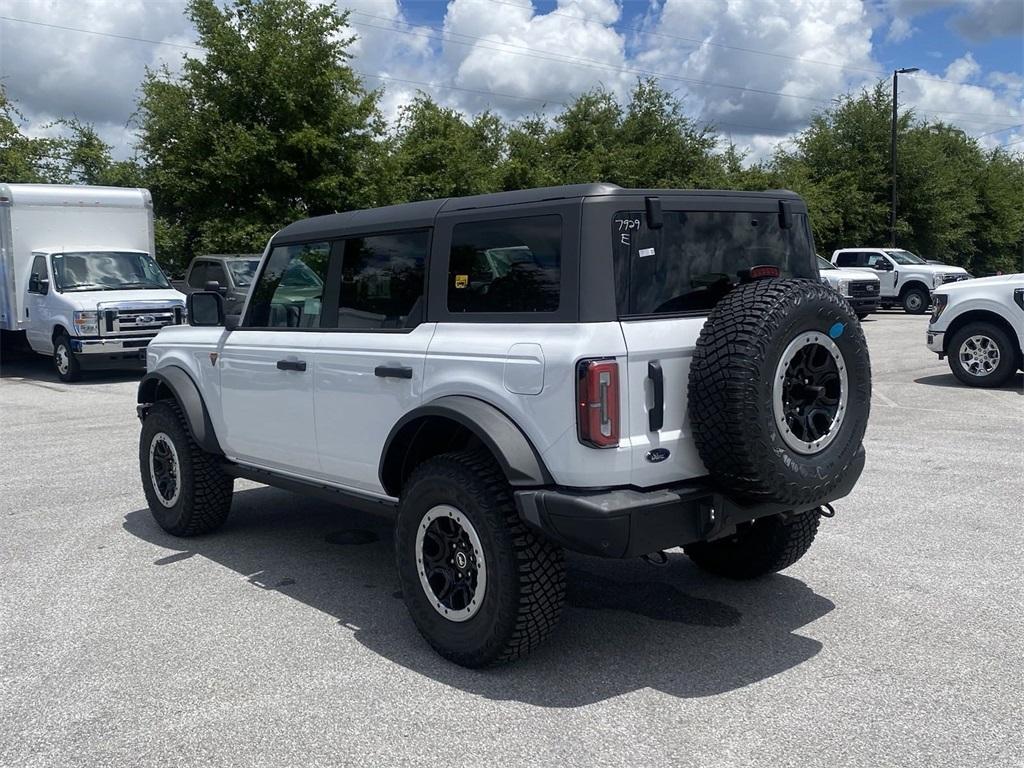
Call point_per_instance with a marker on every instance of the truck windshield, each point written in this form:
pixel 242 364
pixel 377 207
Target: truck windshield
pixel 243 272
pixel 106 271
pixel 904 257
pixel 697 257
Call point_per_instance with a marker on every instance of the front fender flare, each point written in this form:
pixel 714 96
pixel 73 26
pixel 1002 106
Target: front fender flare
pixel 185 392
pixel 519 460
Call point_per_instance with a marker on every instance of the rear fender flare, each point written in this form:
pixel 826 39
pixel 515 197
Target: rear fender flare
pixel 519 460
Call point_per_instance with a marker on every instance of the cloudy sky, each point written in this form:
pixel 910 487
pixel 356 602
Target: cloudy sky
pixel 757 69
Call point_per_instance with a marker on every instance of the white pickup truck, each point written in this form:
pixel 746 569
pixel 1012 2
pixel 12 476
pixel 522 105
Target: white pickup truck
pixel 906 278
pixel 979 327
pixel 78 275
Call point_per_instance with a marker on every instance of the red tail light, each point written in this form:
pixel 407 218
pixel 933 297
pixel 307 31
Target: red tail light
pixel 597 402
pixel 764 270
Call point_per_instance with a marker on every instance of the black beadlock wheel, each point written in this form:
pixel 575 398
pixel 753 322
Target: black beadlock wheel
pixel 763 546
pixel 480 586
pixel 780 391
pixel 187 490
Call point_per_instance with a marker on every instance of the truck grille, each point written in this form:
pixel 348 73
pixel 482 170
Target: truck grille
pixel 139 322
pixel 861 289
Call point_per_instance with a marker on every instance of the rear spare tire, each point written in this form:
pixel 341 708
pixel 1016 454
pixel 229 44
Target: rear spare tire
pixel 780 391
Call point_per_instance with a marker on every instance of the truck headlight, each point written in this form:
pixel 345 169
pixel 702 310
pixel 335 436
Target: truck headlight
pixel 86 323
pixel 937 279
pixel 844 287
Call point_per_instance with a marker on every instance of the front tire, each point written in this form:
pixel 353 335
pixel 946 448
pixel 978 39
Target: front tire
pixel 481 587
pixel 187 490
pixel 64 361
pixel 760 547
pixel 915 301
pixel 982 355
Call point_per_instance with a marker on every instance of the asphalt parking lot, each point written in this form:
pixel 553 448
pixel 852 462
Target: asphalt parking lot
pixel 280 640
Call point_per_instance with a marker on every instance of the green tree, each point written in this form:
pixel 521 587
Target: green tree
pixel 270 125
pixel 436 152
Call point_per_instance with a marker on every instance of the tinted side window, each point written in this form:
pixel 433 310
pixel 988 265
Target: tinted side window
pixel 38 273
pixel 382 281
pixel 506 265
pixel 290 291
pixel 215 271
pixel 197 275
pixel 846 260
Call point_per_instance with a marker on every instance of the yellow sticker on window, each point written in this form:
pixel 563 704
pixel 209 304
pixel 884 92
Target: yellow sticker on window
pixel 461 281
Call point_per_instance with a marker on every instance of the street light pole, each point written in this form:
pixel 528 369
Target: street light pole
pixel 892 150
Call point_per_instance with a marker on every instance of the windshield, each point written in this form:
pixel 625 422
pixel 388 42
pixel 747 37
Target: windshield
pixel 904 257
pixel 106 271
pixel 822 264
pixel 243 272
pixel 697 257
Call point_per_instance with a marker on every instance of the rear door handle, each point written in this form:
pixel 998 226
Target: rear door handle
pixel 291 365
pixel 393 372
pixel 656 416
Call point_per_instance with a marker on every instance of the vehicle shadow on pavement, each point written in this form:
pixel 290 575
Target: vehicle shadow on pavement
pixel 37 369
pixel 627 625
pixel 1015 384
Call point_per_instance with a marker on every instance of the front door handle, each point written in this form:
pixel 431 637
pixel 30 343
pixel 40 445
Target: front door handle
pixel 656 416
pixel 291 365
pixel 393 372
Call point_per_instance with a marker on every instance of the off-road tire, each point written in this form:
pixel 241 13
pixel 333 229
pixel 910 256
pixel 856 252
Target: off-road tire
pixel 731 391
pixel 764 546
pixel 525 587
pixel 204 499
pixel 1008 355
pixel 915 301
pixel 62 343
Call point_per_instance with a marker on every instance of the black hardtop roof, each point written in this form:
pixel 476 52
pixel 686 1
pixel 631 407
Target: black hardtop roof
pixel 422 213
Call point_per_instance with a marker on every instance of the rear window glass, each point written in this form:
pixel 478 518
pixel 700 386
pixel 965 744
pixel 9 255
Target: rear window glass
pixel 691 262
pixel 506 265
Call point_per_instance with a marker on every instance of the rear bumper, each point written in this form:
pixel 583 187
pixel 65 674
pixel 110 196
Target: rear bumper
pixel 627 522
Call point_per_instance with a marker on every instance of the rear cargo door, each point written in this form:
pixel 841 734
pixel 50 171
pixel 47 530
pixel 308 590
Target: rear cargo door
pixel 658 368
pixel 668 280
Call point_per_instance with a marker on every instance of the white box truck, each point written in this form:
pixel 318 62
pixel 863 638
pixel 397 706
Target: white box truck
pixel 78 275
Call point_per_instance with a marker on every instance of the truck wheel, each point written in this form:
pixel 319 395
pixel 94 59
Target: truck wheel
pixel 915 301
pixel 186 489
pixel 64 360
pixel 760 547
pixel 480 585
pixel 780 391
pixel 982 355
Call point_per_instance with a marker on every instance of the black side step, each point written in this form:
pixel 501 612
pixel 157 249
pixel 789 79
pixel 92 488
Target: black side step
pixel 347 498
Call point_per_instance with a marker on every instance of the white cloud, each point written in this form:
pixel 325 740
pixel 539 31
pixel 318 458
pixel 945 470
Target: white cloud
pixel 509 56
pixel 900 29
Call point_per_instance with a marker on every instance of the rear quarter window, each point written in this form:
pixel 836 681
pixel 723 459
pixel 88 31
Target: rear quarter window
pixel 506 265
pixel 697 257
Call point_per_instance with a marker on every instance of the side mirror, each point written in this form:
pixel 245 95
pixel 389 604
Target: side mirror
pixel 44 285
pixel 215 287
pixel 33 283
pixel 205 309
pixel 883 266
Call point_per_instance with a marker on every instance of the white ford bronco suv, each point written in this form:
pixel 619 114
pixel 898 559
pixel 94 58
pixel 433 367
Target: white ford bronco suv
pixel 907 279
pixel 607 370
pixel 978 326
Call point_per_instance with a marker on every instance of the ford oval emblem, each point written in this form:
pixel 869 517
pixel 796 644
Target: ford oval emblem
pixel 658 455
pixel 144 319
